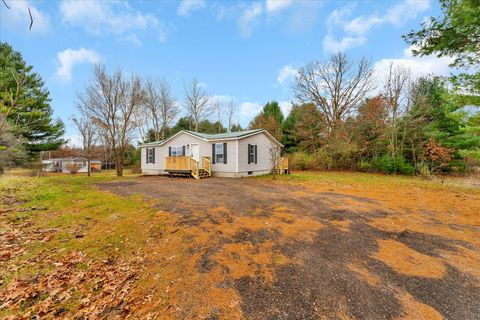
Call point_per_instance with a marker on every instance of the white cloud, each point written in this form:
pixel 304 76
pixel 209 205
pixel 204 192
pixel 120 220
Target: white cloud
pixel 286 75
pixel 247 19
pixel 277 5
pixel 286 107
pixel 247 111
pixel 74 141
pixel 356 28
pixel 107 17
pixel 332 45
pixel 418 66
pixel 395 15
pixel 17 17
pixel 361 25
pixel 70 57
pixel 304 17
pixel 186 7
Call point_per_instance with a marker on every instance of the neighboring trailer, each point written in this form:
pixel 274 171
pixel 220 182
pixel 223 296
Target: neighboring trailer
pixel 61 164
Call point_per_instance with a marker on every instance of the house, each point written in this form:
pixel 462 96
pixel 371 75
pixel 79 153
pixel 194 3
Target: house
pixel 62 164
pixel 232 154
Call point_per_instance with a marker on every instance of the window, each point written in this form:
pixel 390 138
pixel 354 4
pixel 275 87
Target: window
pixel 177 152
pixel 251 153
pixel 219 152
pixel 150 155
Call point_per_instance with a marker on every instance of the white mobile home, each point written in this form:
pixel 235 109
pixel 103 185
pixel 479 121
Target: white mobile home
pixel 61 164
pixel 233 154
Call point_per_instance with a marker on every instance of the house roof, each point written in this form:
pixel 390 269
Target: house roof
pixel 214 136
pixel 226 135
pixel 69 159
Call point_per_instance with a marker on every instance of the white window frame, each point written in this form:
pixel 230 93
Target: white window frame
pixel 175 151
pixel 150 155
pixel 251 154
pixel 219 153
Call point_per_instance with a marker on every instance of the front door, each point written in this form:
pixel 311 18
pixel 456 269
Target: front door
pixel 196 152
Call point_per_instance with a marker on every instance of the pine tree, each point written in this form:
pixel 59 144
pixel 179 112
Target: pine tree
pixel 25 104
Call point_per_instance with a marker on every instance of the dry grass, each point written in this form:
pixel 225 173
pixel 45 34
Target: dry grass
pixel 188 268
pixel 408 261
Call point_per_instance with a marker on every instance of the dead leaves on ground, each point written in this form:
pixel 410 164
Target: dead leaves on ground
pixel 58 285
pixel 76 286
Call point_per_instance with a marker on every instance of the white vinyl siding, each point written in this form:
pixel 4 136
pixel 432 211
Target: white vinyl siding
pixel 263 143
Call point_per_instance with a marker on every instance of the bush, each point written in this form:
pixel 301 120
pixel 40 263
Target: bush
pixel 341 153
pixel 365 165
pixel 425 171
pixel 73 167
pixel 300 161
pixel 386 164
pixel 322 160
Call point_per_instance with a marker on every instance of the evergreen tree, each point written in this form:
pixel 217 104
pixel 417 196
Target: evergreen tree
pixel 25 104
pixel 270 119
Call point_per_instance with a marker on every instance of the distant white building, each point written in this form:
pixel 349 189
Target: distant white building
pixel 61 164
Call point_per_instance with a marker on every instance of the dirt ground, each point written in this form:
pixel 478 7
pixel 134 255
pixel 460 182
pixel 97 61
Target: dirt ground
pixel 258 249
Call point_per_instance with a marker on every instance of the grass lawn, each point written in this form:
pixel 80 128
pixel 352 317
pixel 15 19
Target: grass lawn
pixel 306 245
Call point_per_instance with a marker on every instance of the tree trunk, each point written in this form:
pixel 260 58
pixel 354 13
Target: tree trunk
pixel 119 169
pixel 119 156
pixel 89 169
pixel 414 156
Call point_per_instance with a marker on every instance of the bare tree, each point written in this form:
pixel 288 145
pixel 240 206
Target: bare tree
pixel 161 106
pixel 197 102
pixel 274 151
pixel 114 103
pixel 336 87
pixel 88 133
pixel 231 107
pixel 217 106
pixel 396 92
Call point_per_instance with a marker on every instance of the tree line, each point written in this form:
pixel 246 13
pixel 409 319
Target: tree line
pixel 409 126
pixel 341 120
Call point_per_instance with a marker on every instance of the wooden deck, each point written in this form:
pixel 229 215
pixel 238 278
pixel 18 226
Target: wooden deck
pixel 283 166
pixel 187 166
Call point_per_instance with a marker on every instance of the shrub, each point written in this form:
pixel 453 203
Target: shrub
pixel 365 165
pixel 73 167
pixel 386 164
pixel 300 161
pixel 322 160
pixel 425 171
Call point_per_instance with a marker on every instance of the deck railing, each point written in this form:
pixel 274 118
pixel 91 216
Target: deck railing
pixel 284 163
pixel 178 163
pixel 184 164
pixel 207 164
pixel 282 166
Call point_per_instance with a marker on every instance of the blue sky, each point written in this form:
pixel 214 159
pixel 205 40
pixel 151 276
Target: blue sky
pixel 247 51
